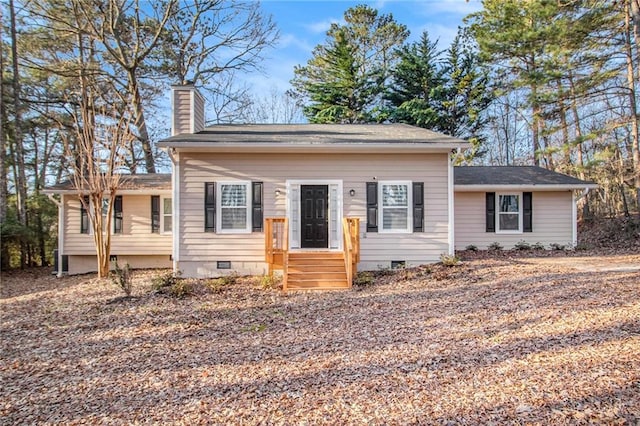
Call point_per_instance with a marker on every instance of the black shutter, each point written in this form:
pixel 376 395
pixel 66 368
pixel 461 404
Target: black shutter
pixel 210 207
pixel 117 215
pixel 527 212
pixel 256 206
pixel 491 211
pixel 418 206
pixel 372 206
pixel 84 216
pixel 155 214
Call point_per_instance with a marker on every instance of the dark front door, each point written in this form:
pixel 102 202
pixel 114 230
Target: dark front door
pixel 314 200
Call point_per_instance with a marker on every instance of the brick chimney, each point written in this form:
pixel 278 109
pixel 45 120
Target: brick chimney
pixel 187 110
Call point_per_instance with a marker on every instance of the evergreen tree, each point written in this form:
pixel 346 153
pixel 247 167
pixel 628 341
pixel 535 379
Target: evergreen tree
pixel 344 80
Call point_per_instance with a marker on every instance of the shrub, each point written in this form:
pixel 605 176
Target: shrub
pixel 582 246
pixel 182 288
pixel 171 284
pixel 122 278
pixel 449 259
pixel 471 247
pixel 538 246
pixel 556 246
pixel 363 279
pixel 495 246
pixel 217 285
pixel 269 282
pixel 522 245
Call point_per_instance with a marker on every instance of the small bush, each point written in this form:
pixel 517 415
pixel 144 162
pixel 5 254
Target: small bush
pixel 230 279
pixel 582 246
pixel 122 278
pixel 172 285
pixel 269 282
pixel 363 279
pixel 182 288
pixel 522 245
pixel 471 247
pixel 449 259
pixel 495 246
pixel 538 246
pixel 556 246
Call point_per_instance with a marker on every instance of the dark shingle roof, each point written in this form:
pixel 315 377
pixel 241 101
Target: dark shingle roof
pixel 513 175
pixel 313 134
pixel 159 181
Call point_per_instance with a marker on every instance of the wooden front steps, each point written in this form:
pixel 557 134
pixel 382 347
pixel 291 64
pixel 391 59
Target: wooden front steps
pixel 316 270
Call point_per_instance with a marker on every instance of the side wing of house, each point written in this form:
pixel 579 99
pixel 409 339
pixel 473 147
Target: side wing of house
pixel 508 217
pixel 141 234
pixel 410 206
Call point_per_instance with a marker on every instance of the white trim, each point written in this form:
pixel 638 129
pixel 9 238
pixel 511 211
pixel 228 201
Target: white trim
pixel 61 234
pixel 523 188
pixel 162 215
pixel 339 209
pixel 175 189
pixel 451 206
pixel 142 191
pixel 192 108
pixel 173 111
pixel 409 185
pixel 277 148
pixel 248 228
pixel 574 219
pixel 520 213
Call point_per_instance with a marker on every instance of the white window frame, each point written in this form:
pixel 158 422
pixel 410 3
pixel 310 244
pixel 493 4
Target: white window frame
pixel 219 207
pixel 163 218
pixel 104 217
pixel 293 211
pixel 520 220
pixel 381 207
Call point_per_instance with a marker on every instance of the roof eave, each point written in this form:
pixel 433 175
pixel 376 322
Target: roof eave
pixel 524 187
pixel 278 148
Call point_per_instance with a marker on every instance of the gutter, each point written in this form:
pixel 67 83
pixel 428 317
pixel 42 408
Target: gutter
pixel 60 205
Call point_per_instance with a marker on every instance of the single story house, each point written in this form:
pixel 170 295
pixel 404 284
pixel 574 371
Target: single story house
pixel 319 201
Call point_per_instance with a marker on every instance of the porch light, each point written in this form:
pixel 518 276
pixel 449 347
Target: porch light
pixel 278 192
pixel 352 192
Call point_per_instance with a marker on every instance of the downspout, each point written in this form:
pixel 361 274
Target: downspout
pixel 175 206
pixel 574 214
pixel 451 203
pixel 60 204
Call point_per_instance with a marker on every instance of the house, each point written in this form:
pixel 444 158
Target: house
pixel 512 204
pixel 322 201
pixel 142 222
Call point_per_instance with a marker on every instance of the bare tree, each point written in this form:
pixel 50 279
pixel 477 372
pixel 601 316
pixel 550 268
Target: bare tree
pixel 100 146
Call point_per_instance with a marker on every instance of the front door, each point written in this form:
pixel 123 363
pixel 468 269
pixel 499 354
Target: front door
pixel 314 212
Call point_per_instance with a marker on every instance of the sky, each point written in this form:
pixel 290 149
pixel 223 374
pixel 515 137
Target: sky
pixel 303 25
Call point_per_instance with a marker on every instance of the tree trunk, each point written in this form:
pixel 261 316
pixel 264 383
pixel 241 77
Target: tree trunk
pixel 4 250
pixel 141 124
pixel 21 178
pixel 631 83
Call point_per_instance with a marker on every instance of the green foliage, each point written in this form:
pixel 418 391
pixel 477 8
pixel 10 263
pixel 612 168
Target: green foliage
pixel 538 246
pixel 442 91
pixel 172 285
pixel 471 247
pixel 269 282
pixel 449 259
pixel 363 279
pixel 495 246
pixel 557 247
pixel 522 245
pixel 121 277
pixel 344 80
pixel 218 285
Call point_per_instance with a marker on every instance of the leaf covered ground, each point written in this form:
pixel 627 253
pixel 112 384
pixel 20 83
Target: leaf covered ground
pixel 493 340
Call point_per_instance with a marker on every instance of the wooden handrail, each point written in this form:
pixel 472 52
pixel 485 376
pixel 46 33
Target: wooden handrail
pixel 351 239
pixel 276 245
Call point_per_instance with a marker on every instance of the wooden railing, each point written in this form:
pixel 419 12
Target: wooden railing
pixel 276 231
pixel 351 239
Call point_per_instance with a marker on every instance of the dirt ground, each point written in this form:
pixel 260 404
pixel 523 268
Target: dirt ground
pixel 501 339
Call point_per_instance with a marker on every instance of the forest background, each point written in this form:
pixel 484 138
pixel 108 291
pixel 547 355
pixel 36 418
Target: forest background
pixel 550 83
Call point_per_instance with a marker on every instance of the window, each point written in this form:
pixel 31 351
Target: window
pixel 155 214
pixel 84 216
pixel 509 213
pixel 167 214
pixel 395 207
pixel 234 207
